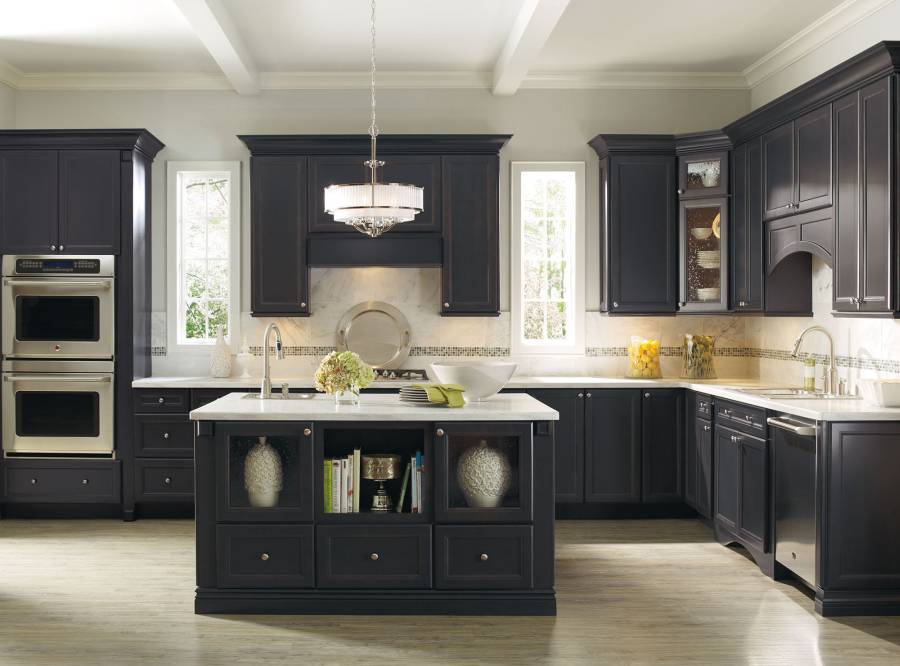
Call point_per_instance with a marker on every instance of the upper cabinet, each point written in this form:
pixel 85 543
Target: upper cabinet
pixel 703 175
pixel 458 228
pixel 797 165
pixel 639 222
pixel 746 273
pixel 60 201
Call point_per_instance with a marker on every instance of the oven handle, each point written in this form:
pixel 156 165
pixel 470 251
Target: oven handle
pixel 57 378
pixel 102 284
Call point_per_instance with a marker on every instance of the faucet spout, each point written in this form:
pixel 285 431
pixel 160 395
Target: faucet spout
pixel 265 388
pixel 831 378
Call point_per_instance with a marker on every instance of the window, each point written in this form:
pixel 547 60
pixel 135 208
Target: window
pixel 548 257
pixel 203 252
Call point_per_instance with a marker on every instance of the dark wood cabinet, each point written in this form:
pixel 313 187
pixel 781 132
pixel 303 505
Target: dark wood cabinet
pixel 698 455
pixel 742 487
pixel 797 165
pixel 569 440
pixel 261 556
pixel 494 557
pixel 703 175
pixel 726 458
pixel 89 201
pixel 662 445
pixel 747 271
pixel 29 195
pixel 279 273
pixel 612 452
pixel 471 261
pixel 380 557
pixel 864 274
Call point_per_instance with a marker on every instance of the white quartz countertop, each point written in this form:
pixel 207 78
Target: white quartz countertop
pixel 372 407
pixel 822 410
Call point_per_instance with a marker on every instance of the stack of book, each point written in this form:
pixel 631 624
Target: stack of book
pixel 412 477
pixel 341 477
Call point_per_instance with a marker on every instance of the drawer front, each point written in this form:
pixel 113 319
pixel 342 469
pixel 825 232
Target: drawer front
pixel 741 417
pixel 704 406
pixel 483 557
pixel 163 436
pixel 156 401
pixel 264 556
pixel 200 397
pixel 164 480
pixel 34 482
pixel 351 556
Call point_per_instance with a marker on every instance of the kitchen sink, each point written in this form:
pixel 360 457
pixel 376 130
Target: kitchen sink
pixel 788 393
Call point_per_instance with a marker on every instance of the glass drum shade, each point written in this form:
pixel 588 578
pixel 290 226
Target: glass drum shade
pixel 373 209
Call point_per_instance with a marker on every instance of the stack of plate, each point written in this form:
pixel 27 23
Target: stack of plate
pixel 415 395
pixel 709 259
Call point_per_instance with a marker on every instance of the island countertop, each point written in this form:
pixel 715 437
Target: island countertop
pixel 372 407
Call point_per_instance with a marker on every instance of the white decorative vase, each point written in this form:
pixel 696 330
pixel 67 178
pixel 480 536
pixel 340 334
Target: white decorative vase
pixel 263 475
pixel 484 475
pixel 347 397
pixel 220 363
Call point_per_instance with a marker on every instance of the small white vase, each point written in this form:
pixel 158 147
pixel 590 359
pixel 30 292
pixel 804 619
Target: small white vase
pixel 263 474
pixel 349 396
pixel 220 362
pixel 484 475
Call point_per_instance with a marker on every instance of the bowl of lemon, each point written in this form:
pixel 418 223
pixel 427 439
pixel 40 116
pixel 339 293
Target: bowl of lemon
pixel 643 358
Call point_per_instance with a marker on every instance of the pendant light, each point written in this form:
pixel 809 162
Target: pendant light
pixel 373 208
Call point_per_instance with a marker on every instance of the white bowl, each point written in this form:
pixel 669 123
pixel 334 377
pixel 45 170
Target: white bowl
pixel 881 392
pixel 480 379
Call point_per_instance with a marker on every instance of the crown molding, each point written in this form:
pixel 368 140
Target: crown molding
pixel 597 80
pixel 10 74
pixel 395 79
pixel 823 29
pixel 123 81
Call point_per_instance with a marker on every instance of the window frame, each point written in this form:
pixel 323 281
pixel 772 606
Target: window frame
pixel 173 255
pixel 518 345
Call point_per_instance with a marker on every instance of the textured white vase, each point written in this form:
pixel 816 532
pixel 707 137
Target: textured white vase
pixel 220 363
pixel 263 475
pixel 484 475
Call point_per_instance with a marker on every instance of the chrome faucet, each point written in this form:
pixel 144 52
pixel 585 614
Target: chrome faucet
pixel 831 378
pixel 265 389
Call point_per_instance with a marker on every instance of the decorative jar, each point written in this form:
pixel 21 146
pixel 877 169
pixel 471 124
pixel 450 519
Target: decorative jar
pixel 643 358
pixel 220 362
pixel 263 474
pixel 484 475
pixel 697 357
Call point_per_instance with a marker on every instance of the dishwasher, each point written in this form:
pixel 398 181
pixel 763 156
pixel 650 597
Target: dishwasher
pixel 794 451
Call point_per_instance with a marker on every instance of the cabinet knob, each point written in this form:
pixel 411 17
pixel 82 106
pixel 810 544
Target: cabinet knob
pixel 446 305
pixel 33 482
pixel 587 395
pixel 681 304
pixel 581 395
pixel 53 248
pixel 646 395
pixel 439 432
pixel 161 400
pixel 484 557
pixel 615 304
pixel 165 435
pixel 62 247
pixel 302 304
pixel 168 481
pixel 680 191
pixel 264 557
pixel 707 428
pixel 374 557
pixel 703 405
pixel 84 482
pixel 307 431
pixel 748 417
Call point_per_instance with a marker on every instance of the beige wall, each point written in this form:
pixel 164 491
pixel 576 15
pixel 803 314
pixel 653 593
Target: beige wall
pixel 7 107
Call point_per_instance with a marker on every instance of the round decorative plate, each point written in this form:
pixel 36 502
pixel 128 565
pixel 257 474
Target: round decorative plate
pixel 378 332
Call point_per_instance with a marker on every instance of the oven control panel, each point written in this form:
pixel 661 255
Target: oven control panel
pixel 36 266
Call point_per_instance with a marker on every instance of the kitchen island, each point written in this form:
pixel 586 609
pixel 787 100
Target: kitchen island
pixel 475 536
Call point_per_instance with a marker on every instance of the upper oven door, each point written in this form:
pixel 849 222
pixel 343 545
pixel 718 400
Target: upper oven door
pixel 58 317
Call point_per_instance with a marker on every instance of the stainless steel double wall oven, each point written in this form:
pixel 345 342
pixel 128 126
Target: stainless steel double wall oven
pixel 58 343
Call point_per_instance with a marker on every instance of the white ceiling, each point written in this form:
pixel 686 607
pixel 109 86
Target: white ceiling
pixel 252 44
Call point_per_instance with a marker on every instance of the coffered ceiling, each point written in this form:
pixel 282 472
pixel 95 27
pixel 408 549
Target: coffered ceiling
pixel 503 45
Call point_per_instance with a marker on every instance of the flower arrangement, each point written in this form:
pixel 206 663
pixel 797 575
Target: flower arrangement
pixel 340 372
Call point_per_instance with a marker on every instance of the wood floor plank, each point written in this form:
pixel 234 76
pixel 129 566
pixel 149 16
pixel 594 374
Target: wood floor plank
pixel 660 591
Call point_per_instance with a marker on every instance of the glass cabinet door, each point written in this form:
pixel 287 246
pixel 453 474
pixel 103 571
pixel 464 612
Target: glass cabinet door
pixel 483 472
pixel 704 255
pixel 264 472
pixel 703 175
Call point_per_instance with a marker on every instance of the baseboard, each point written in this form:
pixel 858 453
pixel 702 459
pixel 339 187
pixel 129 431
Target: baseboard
pixel 593 511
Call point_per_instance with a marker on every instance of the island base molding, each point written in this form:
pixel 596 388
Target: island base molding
pixel 395 602
pixel 844 603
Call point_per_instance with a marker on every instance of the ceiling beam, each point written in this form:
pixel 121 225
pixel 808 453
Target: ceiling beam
pixel 529 32
pixel 214 27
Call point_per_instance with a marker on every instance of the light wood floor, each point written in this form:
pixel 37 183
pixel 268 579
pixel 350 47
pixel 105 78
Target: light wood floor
pixel 107 592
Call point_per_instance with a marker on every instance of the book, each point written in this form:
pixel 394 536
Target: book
pixel 403 487
pixel 327 484
pixel 415 486
pixel 335 486
pixel 342 497
pixel 421 468
pixel 356 486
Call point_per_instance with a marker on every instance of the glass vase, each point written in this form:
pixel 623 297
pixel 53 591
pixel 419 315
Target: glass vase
pixel 347 397
pixel 697 353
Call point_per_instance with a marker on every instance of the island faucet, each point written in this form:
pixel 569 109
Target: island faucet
pixel 831 378
pixel 265 388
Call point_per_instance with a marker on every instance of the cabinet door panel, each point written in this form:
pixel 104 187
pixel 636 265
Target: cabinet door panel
pixel 612 450
pixel 89 201
pixel 471 254
pixel 643 235
pixel 279 280
pixel 704 258
pixel 704 468
pixel 568 441
pixel 691 466
pixel 754 490
pixel 328 170
pixel 725 461
pixel 28 201
pixel 812 139
pixel 778 171
pixel 877 239
pixel 846 205
pixel 746 270
pixel 662 445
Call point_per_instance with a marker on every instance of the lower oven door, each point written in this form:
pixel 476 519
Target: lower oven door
pixel 58 413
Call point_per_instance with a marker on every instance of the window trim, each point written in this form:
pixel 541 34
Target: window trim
pixel 173 260
pixel 518 346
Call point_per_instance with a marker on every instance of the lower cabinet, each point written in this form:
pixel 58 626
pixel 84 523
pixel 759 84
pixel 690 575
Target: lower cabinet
pixel 55 481
pixel 612 452
pixel 698 455
pixel 255 556
pixel 662 445
pixel 742 486
pixel 496 557
pixel 379 557
pixel 162 480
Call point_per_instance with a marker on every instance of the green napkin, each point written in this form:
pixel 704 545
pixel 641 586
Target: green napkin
pixel 443 394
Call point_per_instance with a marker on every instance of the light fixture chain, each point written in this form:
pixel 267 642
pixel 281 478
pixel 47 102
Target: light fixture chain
pixel 373 128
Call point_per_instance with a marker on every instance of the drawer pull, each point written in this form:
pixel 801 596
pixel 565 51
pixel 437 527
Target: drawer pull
pixel 707 428
pixel 374 557
pixel 34 482
pixel 703 405
pixel 161 401
pixel 587 395
pixel 439 432
pixel 484 557
pixel 84 482
pixel 264 557
pixel 646 395
pixel 581 395
pixel 168 481
pixel 735 439
pixel 307 431
pixel 165 435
